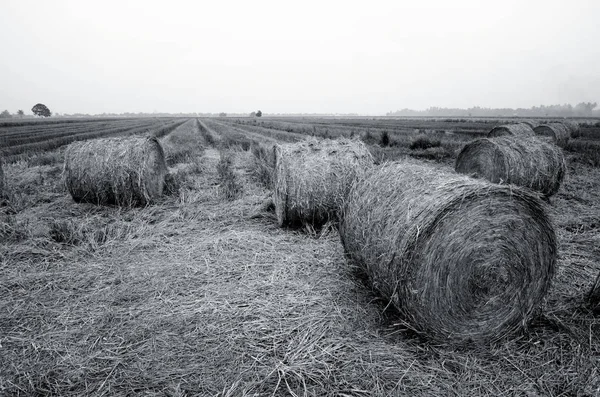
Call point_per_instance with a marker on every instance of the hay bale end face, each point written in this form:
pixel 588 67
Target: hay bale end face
pixel 312 178
pixel 462 259
pixel 522 161
pixel 556 132
pixel 520 129
pixel 122 171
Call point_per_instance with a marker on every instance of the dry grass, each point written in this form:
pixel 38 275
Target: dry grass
pixel 1 182
pixel 262 167
pixel 519 160
pixel 313 177
pixel 463 260
pixel 229 186
pixel 122 171
pixel 195 298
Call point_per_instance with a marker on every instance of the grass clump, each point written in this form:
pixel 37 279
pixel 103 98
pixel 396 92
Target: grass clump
pixel 229 186
pixel 263 164
pixel 422 142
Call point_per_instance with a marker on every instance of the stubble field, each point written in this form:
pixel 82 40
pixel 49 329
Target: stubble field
pixel 202 294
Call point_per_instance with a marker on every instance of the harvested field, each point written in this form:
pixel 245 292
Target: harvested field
pixel 518 160
pixel 196 295
pixel 120 171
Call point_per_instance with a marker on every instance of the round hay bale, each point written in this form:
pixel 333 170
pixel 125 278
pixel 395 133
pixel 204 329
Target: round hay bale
pixel 557 132
pixel 312 178
pixel 520 129
pixel 463 260
pixel 123 171
pixel 572 127
pixel 522 161
pixel 530 123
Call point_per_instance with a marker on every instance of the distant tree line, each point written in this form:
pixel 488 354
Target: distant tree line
pixel 583 109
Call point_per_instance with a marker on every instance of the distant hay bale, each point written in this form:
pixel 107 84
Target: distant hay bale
pixel 520 129
pixel 522 161
pixel 572 127
pixel 123 171
pixel 530 123
pixel 557 132
pixel 312 178
pixel 462 259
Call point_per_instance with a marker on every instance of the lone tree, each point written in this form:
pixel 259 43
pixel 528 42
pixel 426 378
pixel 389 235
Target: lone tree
pixel 20 113
pixel 41 110
pixel 222 114
pixel 259 114
pixel 5 115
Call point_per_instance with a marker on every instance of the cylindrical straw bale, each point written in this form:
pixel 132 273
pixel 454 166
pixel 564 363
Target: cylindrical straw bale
pixel 557 132
pixel 531 123
pixel 462 259
pixel 123 171
pixel 313 177
pixel 522 161
pixel 520 129
pixel 572 127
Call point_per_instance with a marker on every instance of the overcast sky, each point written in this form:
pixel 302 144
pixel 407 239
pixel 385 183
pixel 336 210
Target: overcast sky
pixel 367 57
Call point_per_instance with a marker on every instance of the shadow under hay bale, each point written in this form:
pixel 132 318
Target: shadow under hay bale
pixel 312 178
pixel 517 160
pixel 520 129
pixel 557 132
pixel 123 171
pixel 572 127
pixel 462 259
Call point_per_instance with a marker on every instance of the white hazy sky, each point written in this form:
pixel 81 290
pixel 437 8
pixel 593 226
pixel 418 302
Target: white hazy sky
pixel 367 57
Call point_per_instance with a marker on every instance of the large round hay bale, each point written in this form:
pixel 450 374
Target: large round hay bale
pixel 520 129
pixel 313 177
pixel 557 132
pixel 463 260
pixel 572 127
pixel 522 161
pixel 123 171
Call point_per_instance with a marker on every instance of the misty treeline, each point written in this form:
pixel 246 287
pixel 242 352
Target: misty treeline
pixel 583 109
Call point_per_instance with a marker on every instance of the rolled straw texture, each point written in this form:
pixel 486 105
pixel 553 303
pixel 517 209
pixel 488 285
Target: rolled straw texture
pixel 556 132
pixel 463 260
pixel 520 129
pixel 123 171
pixel 522 161
pixel 312 178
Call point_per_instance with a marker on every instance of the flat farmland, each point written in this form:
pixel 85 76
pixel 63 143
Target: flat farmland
pixel 31 137
pixel 203 294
